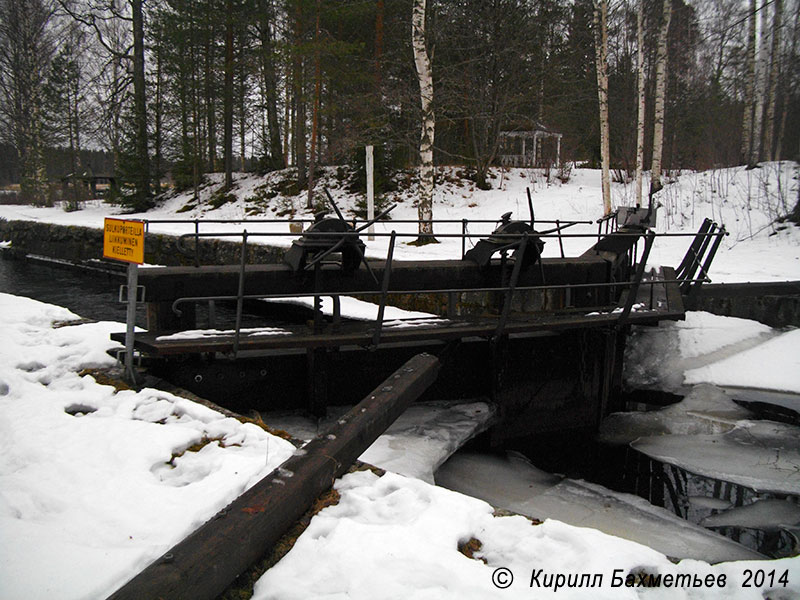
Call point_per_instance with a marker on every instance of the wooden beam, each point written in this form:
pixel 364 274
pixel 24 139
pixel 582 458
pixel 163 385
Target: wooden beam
pixel 205 563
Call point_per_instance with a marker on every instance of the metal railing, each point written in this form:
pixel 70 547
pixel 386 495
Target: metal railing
pixel 699 256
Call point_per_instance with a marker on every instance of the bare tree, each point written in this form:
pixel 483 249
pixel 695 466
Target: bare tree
pixel 25 52
pixel 640 100
pixel 750 84
pixel 775 60
pixel 660 97
pixel 95 16
pixel 762 68
pixel 601 59
pixel 425 77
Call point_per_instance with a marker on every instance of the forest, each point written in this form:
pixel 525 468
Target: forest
pixel 169 90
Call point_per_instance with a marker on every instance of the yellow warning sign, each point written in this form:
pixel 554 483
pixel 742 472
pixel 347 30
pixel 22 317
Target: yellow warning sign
pixel 124 240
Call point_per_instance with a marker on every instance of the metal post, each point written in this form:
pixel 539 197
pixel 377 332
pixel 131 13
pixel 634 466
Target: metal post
pixel 130 321
pixel 240 295
pixel 387 273
pixel 196 243
pixel 370 195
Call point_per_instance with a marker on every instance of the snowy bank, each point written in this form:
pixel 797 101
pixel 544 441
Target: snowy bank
pixel 95 484
pixel 747 202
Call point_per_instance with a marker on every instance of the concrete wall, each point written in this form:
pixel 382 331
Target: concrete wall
pixel 774 304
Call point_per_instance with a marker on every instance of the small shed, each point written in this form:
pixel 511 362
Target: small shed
pixel 526 147
pixel 91 181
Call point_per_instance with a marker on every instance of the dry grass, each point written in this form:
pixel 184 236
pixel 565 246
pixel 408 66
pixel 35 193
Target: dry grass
pixel 106 377
pixel 469 547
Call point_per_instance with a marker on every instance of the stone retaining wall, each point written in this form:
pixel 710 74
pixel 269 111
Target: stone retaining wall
pixel 77 244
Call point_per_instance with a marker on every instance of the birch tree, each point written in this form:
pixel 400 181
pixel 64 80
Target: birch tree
pixel 640 108
pixel 750 82
pixel 762 68
pixel 660 97
pixel 425 77
pixel 601 59
pixel 775 60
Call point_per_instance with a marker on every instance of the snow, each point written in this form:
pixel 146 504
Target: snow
pixel 512 483
pixel 676 354
pixel 747 202
pixel 88 499
pixel 776 362
pixel 353 308
pixel 396 537
pixel 93 485
pixel 193 334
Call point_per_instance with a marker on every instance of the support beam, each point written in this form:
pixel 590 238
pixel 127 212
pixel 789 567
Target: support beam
pixel 205 563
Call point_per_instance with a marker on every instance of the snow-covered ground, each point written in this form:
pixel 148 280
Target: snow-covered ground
pixel 746 202
pixel 96 483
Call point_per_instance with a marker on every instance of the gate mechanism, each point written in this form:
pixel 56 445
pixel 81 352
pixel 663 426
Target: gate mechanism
pixel 329 235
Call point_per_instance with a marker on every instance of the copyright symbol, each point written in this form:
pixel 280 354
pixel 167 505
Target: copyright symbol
pixel 502 578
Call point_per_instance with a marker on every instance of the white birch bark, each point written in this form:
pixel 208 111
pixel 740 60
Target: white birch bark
pixel 749 89
pixel 601 58
pixel 661 84
pixel 640 120
pixel 761 85
pixel 425 77
pixel 775 59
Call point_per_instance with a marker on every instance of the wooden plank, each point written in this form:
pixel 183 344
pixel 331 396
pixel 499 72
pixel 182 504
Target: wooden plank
pixel 205 563
pixel 360 334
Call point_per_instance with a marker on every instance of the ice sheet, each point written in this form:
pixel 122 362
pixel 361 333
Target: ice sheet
pixel 768 514
pixel 707 409
pixel 424 436
pixel 760 455
pixel 518 486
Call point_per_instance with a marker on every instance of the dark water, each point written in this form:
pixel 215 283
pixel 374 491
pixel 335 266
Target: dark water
pixel 94 295
pixel 90 294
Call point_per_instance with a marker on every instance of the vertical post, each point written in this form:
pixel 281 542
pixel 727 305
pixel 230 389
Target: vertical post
pixel 196 243
pixel 370 194
pixel 387 273
pixel 240 295
pixel 130 321
pixel 558 152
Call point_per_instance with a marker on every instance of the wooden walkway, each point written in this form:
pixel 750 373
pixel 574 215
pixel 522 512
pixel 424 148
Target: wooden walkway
pixel 654 303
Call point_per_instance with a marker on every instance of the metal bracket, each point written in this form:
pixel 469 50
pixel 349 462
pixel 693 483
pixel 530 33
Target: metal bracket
pixel 123 294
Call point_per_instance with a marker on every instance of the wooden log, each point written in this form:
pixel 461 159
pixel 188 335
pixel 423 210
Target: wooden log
pixel 205 563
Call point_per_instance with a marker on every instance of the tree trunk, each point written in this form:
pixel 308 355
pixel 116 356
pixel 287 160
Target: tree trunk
pixel 787 91
pixel 601 59
pixel 140 103
pixel 425 78
pixel 750 83
pixel 661 84
pixel 158 117
pixel 211 117
pixel 775 58
pixel 299 103
pixel 315 115
pixel 640 110
pixel 761 87
pixel 228 97
pixel 379 14
pixel 276 160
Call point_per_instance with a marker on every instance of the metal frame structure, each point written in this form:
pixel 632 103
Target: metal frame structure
pixel 699 256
